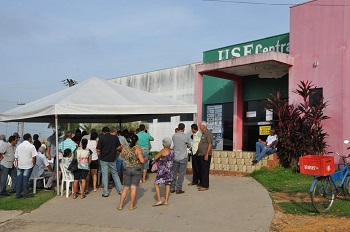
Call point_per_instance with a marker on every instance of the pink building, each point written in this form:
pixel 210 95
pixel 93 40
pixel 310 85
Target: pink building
pixel 320 47
pixel 316 49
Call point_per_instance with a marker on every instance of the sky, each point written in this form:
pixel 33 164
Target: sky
pixel 45 42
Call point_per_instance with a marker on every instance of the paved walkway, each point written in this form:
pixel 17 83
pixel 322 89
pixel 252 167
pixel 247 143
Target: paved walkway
pixel 232 204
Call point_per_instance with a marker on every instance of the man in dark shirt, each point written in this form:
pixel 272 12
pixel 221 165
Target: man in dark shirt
pixel 204 154
pixel 36 142
pixel 77 136
pixel 107 148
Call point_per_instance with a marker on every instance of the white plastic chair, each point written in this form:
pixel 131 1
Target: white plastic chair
pixel 67 177
pixel 35 176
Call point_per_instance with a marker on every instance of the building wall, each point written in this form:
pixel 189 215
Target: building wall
pixel 176 83
pixel 320 40
pixel 255 88
pixel 160 130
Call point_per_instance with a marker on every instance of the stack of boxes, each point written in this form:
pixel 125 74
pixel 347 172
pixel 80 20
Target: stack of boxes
pixel 238 162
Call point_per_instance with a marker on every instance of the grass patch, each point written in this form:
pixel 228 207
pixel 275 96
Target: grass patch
pixel 291 192
pixel 282 179
pixel 340 208
pixel 26 205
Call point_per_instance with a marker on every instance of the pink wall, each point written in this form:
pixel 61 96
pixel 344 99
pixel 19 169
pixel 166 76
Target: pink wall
pixel 319 32
pixel 198 97
pixel 238 101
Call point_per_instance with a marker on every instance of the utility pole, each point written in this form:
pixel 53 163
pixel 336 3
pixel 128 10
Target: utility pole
pixel 20 123
pixel 69 83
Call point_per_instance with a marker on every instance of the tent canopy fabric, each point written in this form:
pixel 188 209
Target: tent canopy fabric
pixel 97 100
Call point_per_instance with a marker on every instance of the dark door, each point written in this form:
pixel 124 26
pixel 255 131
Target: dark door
pixel 254 115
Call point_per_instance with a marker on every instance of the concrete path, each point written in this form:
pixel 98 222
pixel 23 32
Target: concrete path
pixel 232 204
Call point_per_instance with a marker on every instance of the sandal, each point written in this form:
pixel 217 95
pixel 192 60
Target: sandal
pixel 165 203
pixel 82 196
pixel 158 203
pixel 120 208
pixel 133 208
pixel 74 196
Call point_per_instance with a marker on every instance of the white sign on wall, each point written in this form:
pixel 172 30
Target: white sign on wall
pixel 250 114
pixel 269 114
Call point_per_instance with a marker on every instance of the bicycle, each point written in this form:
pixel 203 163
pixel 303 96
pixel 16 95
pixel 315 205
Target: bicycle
pixel 324 189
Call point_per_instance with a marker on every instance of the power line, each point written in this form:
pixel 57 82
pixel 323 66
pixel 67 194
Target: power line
pixel 251 3
pixel 272 4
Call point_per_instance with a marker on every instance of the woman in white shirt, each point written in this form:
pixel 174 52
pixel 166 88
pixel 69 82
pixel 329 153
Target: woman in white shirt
pixel 92 143
pixel 83 156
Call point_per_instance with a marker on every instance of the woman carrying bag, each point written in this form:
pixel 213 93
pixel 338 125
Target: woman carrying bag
pixel 132 171
pixel 164 160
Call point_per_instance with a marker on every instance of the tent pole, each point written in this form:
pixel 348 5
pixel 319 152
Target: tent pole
pixel 57 158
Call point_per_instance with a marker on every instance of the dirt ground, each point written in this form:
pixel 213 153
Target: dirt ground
pixel 291 222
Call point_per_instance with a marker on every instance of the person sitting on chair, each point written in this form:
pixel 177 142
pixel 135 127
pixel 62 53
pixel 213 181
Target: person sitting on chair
pixel 265 147
pixel 43 163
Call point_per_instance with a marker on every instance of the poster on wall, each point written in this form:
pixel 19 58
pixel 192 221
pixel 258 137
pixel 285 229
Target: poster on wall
pixel 214 124
pixel 264 130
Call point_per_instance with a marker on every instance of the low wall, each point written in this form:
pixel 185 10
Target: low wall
pixel 237 162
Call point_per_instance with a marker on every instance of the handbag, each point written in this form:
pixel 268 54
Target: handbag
pixel 154 166
pixel 73 166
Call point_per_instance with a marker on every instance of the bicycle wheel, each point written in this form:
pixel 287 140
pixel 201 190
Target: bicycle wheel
pixel 322 194
pixel 346 186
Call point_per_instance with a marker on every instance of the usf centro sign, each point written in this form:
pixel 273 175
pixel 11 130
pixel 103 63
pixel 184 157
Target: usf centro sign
pixel 279 43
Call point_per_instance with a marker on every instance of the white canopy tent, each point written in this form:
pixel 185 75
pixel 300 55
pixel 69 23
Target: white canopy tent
pixel 96 100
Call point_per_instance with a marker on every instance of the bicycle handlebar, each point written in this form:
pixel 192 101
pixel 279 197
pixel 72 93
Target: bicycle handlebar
pixel 343 157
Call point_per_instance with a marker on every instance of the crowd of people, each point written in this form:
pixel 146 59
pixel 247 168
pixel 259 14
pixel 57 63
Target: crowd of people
pixel 122 155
